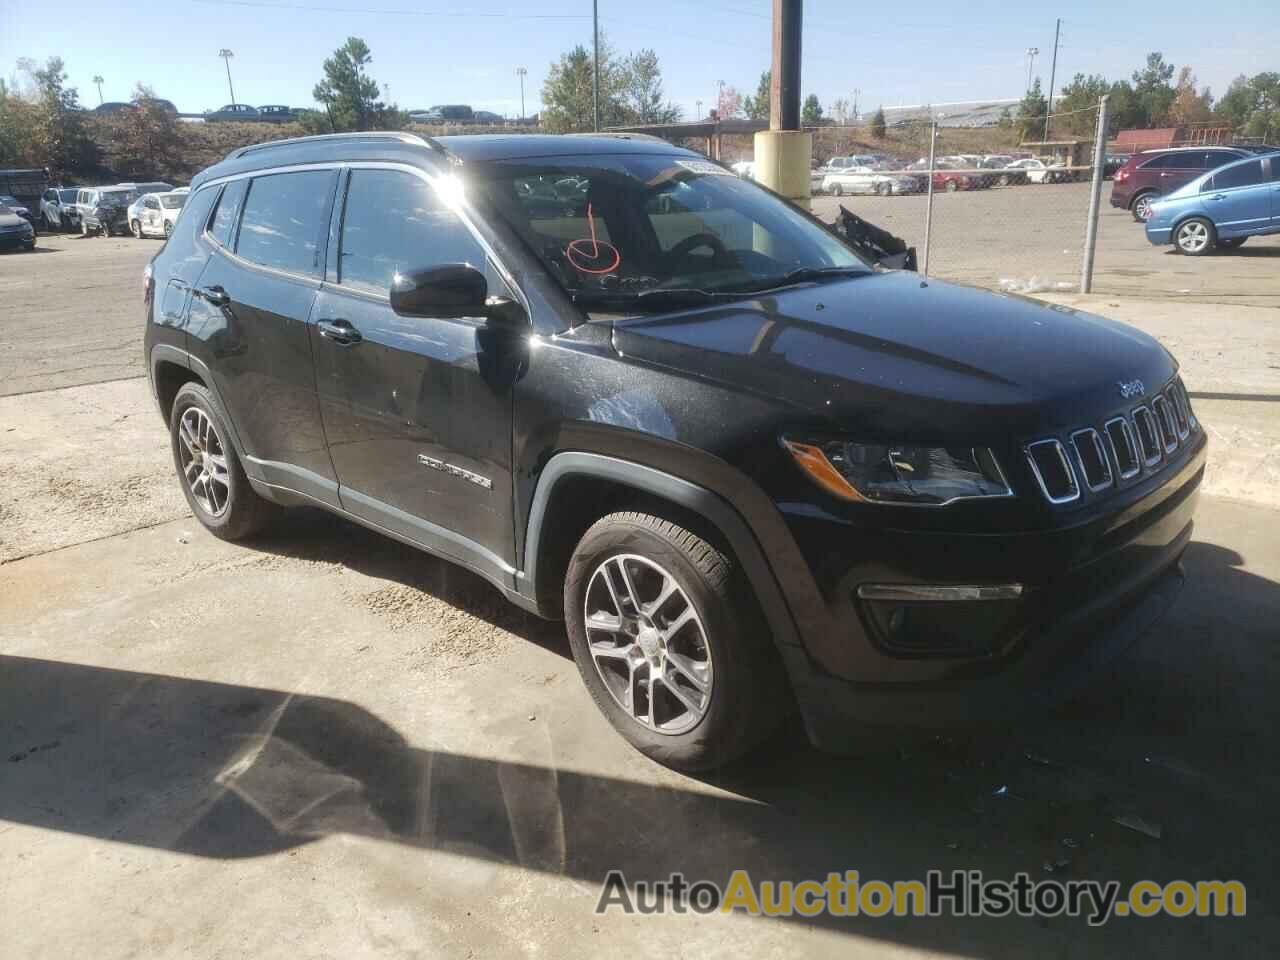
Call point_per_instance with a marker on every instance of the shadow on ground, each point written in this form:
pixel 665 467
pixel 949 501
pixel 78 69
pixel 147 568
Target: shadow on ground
pixel 1181 736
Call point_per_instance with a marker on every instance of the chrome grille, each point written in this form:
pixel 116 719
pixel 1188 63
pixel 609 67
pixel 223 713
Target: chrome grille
pixel 1126 446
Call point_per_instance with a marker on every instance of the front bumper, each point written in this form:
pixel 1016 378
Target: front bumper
pixel 1118 578
pixel 10 241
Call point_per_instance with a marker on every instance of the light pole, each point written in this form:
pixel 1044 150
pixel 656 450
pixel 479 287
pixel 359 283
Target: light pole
pixel 698 111
pixel 1032 53
pixel 521 72
pixel 226 55
pixel 97 79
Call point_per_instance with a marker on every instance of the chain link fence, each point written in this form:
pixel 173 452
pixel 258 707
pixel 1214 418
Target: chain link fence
pixel 1009 213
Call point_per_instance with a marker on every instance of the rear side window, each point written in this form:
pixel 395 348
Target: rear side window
pixel 285 217
pixel 224 220
pixel 394 221
pixel 1241 175
pixel 1216 158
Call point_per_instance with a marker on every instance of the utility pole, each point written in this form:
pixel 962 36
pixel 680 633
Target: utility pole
pixel 784 85
pixel 1053 71
pixel 595 71
pixel 97 79
pixel 226 55
pixel 856 92
pixel 698 103
pixel 1032 53
pixel 521 72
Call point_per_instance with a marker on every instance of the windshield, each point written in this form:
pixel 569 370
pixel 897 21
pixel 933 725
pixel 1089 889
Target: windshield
pixel 173 201
pixel 67 196
pixel 647 230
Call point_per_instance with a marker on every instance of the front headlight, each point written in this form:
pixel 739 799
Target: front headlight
pixel 900 473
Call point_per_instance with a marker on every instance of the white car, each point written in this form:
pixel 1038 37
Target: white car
pixel 1036 170
pixel 868 180
pixel 153 214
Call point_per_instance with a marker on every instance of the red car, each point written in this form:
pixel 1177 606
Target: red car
pixel 1146 177
pixel 945 178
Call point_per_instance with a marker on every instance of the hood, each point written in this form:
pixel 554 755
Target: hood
pixel 912 357
pixel 10 219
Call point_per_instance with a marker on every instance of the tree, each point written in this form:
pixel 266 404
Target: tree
pixel 57 136
pixel 877 124
pixel 1189 106
pixel 144 140
pixel 757 107
pixel 1252 106
pixel 642 90
pixel 1152 90
pixel 841 112
pixel 1077 110
pixel 1124 112
pixel 1236 106
pixel 567 91
pixel 729 103
pixel 1031 113
pixel 811 112
pixel 349 95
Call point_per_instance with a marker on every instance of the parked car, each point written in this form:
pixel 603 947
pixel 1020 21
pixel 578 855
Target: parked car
pixel 487 116
pixel 277 113
pixel 234 112
pixel 153 214
pixel 1034 170
pixel 104 210
pixel 58 209
pixel 868 180
pixel 16 232
pixel 664 428
pixel 1147 176
pixel 946 177
pixel 14 205
pixel 1220 210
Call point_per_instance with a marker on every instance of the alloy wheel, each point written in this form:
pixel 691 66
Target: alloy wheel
pixel 1142 207
pixel 204 461
pixel 1193 237
pixel 648 644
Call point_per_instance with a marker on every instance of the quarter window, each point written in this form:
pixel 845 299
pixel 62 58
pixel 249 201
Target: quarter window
pixel 394 221
pixel 1240 175
pixel 224 220
pixel 284 220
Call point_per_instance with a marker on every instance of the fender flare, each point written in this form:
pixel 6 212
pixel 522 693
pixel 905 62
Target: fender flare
pixel 168 353
pixel 691 496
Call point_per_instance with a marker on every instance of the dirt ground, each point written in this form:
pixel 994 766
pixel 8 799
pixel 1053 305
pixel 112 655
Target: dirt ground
pixel 324 743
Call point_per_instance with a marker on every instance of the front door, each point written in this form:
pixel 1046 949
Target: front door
pixel 248 322
pixel 417 410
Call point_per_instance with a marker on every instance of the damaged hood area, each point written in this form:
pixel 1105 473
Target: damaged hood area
pixel 901 353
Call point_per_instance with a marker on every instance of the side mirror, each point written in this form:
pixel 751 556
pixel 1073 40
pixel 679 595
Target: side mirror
pixel 450 291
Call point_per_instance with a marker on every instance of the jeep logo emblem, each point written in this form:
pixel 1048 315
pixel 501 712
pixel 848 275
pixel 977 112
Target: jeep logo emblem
pixel 1131 388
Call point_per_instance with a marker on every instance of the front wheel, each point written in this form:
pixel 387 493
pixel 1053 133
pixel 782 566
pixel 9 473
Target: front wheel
pixel 664 636
pixel 212 478
pixel 135 227
pixel 84 229
pixel 1194 237
pixel 837 190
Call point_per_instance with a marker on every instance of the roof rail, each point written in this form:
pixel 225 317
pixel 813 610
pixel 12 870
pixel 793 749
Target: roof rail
pixel 367 135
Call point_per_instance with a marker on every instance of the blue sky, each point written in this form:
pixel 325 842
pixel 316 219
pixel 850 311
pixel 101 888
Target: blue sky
pixel 435 51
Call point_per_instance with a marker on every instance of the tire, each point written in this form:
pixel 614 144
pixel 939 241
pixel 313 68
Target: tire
pixel 952 186
pixel 1004 180
pixel 84 229
pixel 1233 243
pixel 837 190
pixel 1140 207
pixel 168 229
pixel 1195 237
pixel 135 227
pixel 741 698
pixel 884 189
pixel 229 508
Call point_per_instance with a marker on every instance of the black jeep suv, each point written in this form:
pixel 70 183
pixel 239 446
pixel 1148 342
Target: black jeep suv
pixel 747 468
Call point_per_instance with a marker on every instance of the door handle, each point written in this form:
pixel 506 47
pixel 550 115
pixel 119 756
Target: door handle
pixel 339 331
pixel 1219 196
pixel 214 294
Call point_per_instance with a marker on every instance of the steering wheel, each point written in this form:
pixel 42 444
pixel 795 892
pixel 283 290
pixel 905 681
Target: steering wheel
pixel 721 256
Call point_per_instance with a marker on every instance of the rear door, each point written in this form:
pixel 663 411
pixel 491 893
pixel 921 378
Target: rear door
pixel 417 410
pixel 1238 198
pixel 249 316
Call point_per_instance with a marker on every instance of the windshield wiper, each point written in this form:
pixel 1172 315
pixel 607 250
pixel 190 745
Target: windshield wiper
pixel 658 297
pixel 805 274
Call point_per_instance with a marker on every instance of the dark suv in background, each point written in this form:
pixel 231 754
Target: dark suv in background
pixel 1145 177
pixel 749 470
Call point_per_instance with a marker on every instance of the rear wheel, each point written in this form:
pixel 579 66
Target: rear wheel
pixel 837 190
pixel 84 229
pixel 1194 237
pixel 663 633
pixel 135 227
pixel 1141 206
pixel 212 478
